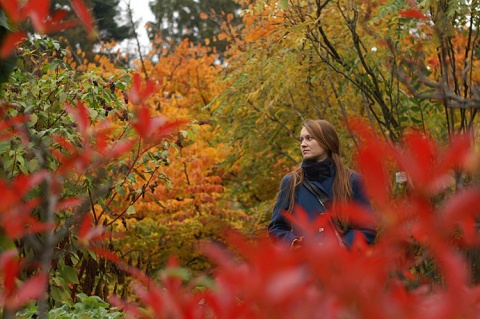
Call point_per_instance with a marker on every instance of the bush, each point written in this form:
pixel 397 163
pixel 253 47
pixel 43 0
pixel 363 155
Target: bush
pixel 89 307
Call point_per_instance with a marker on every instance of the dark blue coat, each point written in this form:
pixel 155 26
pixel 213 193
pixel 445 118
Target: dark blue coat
pixel 281 229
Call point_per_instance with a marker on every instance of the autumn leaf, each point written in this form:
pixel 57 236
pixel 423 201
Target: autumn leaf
pixel 84 15
pixel 461 211
pixel 412 14
pixel 80 115
pixel 12 9
pixel 374 172
pixel 140 91
pixel 32 289
pixel 9 43
pixel 88 233
pixel 16 295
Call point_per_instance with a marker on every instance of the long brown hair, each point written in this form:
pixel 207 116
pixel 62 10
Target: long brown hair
pixel 326 135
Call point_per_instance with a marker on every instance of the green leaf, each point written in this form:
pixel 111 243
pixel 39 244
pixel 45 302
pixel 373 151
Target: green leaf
pixel 69 274
pixel 60 294
pixel 4 147
pixel 33 165
pixel 21 165
pixel 131 210
pixel 283 4
pixel 62 97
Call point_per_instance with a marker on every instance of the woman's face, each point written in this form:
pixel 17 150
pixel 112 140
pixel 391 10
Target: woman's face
pixel 311 149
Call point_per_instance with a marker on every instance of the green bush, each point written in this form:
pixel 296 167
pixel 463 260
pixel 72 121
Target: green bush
pixel 88 307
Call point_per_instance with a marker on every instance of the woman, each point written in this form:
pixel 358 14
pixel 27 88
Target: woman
pixel 315 184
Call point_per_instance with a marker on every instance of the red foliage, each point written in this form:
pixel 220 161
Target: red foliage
pixel 84 16
pixel 265 280
pixel 262 279
pixel 412 13
pixel 140 91
pixel 10 42
pixel 43 21
pixel 12 295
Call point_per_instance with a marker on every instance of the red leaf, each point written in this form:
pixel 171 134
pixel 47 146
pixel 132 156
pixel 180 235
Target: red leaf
pixel 143 124
pixel 24 183
pixel 57 27
pixel 417 160
pixel 38 12
pixel 460 207
pixel 147 125
pixel 34 288
pixel 38 227
pixel 9 266
pixel 84 16
pixel 139 93
pixel 167 129
pixel 357 215
pixel 10 42
pixel 129 308
pixel 119 149
pixel 457 154
pixel 67 145
pixel 59 15
pixel 423 151
pixel 12 9
pixel 88 233
pixel 19 222
pixel 80 115
pixel 371 165
pixel 68 203
pixel 303 222
pixel 106 254
pixel 85 227
pixel 412 14
pixel 361 129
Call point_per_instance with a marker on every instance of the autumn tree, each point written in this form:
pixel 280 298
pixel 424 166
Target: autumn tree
pixel 190 204
pixel 178 20
pixel 324 59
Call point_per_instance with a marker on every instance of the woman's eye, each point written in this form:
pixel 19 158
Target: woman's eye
pixel 308 138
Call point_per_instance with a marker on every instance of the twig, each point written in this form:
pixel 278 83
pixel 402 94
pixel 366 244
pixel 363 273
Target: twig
pixel 135 35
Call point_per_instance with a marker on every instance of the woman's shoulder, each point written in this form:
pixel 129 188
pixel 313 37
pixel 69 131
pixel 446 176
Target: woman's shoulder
pixel 356 178
pixel 356 175
pixel 286 181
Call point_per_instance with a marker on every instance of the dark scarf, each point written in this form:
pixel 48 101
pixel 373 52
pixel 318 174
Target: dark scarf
pixel 317 170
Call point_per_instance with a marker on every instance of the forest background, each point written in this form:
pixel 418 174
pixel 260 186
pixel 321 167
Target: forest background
pixel 113 162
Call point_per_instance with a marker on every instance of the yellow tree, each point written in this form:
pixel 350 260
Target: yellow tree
pixel 294 60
